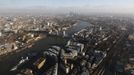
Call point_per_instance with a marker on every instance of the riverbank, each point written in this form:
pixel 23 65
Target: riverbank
pixel 13 58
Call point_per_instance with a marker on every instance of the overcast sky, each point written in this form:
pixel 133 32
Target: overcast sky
pixel 105 5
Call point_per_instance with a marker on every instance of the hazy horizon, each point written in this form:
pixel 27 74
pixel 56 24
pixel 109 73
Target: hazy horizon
pixel 64 6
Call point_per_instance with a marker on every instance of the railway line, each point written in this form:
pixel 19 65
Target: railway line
pixel 114 51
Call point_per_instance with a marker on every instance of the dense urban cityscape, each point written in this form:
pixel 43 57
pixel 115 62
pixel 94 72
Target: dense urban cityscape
pixel 66 45
pixel 66 37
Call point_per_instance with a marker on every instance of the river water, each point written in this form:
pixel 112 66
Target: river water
pixel 80 25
